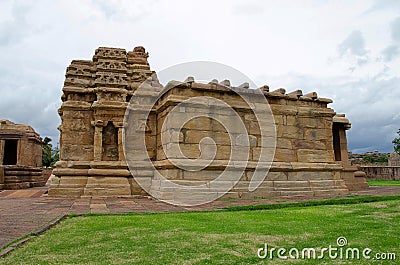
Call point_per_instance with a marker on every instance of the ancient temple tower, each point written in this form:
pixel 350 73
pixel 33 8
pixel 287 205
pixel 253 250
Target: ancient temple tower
pixel 95 96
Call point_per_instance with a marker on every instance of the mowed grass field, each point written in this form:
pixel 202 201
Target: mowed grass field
pixel 381 182
pixel 220 237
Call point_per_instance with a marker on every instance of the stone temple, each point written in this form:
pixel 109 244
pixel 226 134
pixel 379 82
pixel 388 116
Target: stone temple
pixel 310 158
pixel 20 156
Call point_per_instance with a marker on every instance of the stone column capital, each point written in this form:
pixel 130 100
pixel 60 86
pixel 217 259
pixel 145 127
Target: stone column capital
pixel 97 123
pixel 119 124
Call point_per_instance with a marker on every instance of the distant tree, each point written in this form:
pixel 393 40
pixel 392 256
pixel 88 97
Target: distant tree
pixel 368 159
pixel 396 142
pixel 50 154
pixel 46 152
pixel 55 155
pixel 381 159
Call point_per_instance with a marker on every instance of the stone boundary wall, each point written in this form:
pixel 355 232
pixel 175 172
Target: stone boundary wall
pixel 382 172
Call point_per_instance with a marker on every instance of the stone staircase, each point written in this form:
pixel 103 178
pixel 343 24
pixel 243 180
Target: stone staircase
pixel 22 177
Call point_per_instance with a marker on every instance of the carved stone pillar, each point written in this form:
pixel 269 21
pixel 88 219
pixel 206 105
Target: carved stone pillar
pixel 97 143
pixel 121 156
pixel 19 152
pixel 1 152
pixel 343 146
pixel 1 164
pixel 339 127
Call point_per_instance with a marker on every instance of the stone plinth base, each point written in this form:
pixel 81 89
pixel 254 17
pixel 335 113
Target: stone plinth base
pixel 22 177
pixel 95 179
pixel 113 179
pixel 94 186
pixel 283 179
pixel 355 180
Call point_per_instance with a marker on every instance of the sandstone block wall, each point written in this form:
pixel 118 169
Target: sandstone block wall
pixel 304 163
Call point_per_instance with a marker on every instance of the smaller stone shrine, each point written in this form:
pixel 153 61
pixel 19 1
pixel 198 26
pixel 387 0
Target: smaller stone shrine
pixel 20 156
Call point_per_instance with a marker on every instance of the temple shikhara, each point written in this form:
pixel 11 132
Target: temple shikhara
pixel 309 157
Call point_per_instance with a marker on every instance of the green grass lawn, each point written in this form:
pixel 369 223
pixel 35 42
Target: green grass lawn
pixel 221 237
pixel 381 182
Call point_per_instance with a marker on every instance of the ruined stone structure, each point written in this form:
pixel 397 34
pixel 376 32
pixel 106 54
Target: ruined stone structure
pixel 387 172
pixel 20 156
pixel 394 160
pixel 381 172
pixel 311 147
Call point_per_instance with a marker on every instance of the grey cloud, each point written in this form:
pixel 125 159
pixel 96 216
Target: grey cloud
pixel 362 61
pixel 382 5
pixel 353 50
pixel 124 11
pixel 29 98
pixel 390 52
pixel 107 8
pixel 354 44
pixel 15 29
pixel 370 104
pixel 395 29
pixel 248 9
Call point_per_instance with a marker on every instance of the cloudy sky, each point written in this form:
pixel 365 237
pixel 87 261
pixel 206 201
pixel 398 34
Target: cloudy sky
pixel 348 51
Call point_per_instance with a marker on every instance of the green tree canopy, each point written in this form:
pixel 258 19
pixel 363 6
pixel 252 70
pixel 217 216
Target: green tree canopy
pixel 50 154
pixel 368 159
pixel 396 142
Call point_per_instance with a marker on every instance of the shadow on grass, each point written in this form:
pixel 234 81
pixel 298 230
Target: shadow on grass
pixel 354 199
